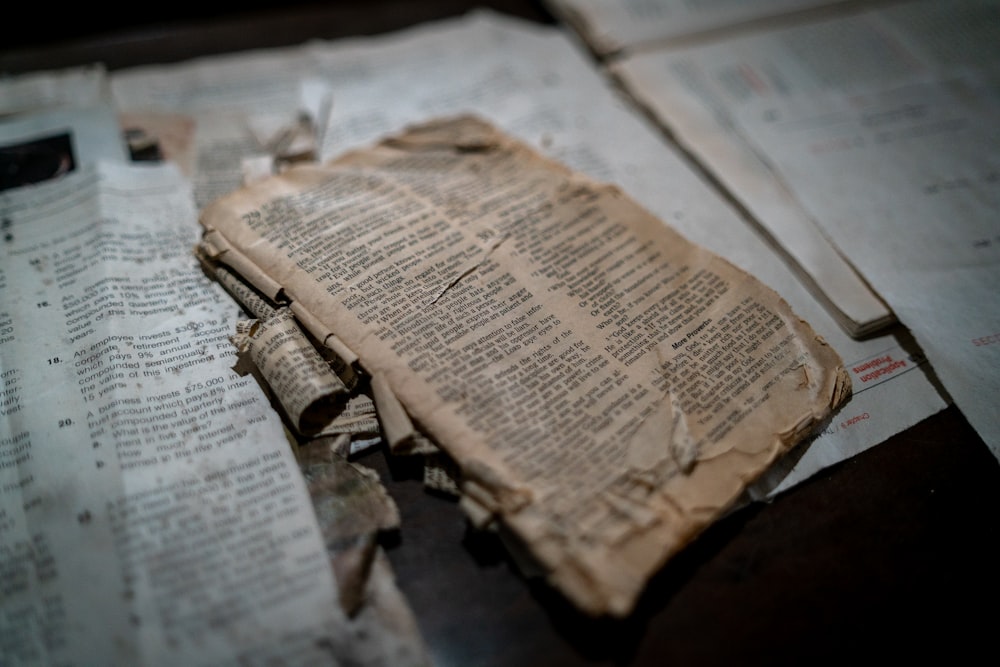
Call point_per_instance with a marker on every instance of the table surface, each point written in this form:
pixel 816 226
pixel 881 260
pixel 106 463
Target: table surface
pixel 891 555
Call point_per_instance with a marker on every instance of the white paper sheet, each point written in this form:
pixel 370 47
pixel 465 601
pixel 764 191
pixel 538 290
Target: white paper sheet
pixel 694 91
pixel 907 182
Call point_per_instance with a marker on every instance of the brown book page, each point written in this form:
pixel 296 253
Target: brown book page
pixel 607 388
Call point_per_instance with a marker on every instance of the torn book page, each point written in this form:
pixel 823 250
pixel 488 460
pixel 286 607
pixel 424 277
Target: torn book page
pixel 320 386
pixel 300 378
pixel 608 387
pixel 442 474
pixel 356 416
pixel 397 427
pixel 352 508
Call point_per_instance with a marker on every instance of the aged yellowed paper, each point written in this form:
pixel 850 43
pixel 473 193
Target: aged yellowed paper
pixel 607 387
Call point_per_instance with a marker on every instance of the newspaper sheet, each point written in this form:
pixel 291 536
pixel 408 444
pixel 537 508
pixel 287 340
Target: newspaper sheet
pixel 534 83
pixel 907 181
pixel 151 509
pixel 607 388
pixel 609 27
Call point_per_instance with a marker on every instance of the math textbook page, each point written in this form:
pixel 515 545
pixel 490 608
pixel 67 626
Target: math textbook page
pixel 695 90
pixel 907 182
pixel 151 509
pixel 611 26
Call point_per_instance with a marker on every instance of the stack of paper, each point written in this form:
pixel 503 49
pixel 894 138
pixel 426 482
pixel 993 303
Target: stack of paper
pixel 171 490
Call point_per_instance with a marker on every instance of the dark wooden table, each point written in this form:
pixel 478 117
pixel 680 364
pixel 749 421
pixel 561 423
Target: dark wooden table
pixel 891 556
